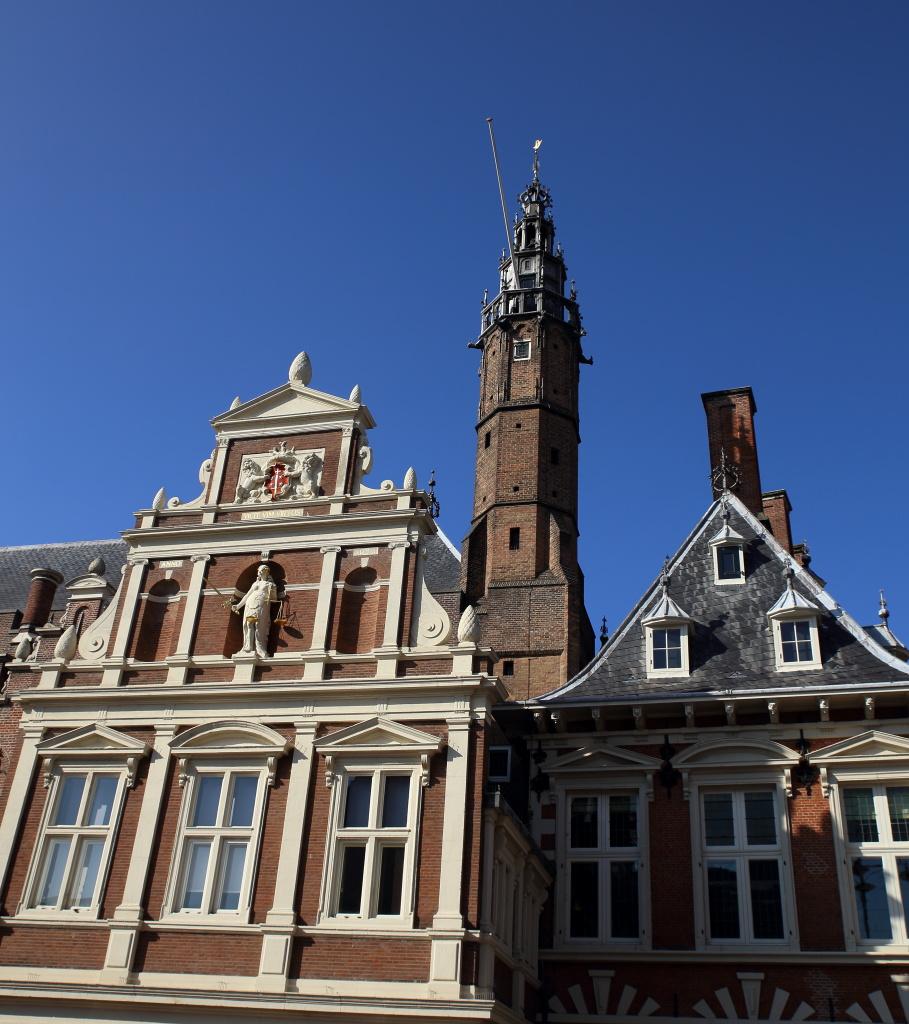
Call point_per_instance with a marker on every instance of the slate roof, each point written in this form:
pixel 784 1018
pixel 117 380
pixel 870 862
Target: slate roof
pixel 442 568
pixel 730 641
pixel 69 559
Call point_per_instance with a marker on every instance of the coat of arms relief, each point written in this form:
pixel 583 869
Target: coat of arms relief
pixel 281 473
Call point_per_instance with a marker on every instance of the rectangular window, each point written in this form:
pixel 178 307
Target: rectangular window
pixel 487 439
pixel 554 456
pixel 520 350
pixel 374 845
pixel 76 841
pixel 795 641
pixel 604 867
pixel 729 562
pixel 508 667
pixel 667 648
pixel 499 764
pixel 744 891
pixel 514 538
pixel 214 867
pixel 876 819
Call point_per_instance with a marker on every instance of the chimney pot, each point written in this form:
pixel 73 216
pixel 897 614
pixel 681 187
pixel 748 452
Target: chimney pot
pixel 40 598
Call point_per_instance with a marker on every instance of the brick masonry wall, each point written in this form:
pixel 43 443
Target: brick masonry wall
pixel 360 958
pixel 198 953
pixel 329 440
pixel 53 947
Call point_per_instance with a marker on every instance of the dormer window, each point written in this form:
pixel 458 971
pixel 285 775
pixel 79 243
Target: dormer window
pixel 728 548
pixel 795 635
pixel 666 633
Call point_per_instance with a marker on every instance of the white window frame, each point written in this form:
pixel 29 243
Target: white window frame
pixel 377 745
pixel 515 358
pixel 735 581
pixel 374 838
pixel 887 849
pixel 219 748
pixel 658 673
pixel 741 852
pixel 219 837
pixel 604 855
pixel 91 751
pixel 796 666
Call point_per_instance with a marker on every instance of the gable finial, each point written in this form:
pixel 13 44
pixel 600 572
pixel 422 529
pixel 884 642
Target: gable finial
pixel 604 632
pixel 665 576
pixel 725 475
pixel 434 508
pixel 536 159
pixel 788 572
pixel 883 611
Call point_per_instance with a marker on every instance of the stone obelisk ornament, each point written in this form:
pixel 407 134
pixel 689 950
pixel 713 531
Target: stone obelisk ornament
pixel 255 606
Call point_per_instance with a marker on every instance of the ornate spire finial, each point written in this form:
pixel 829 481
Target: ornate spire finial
pixel 536 159
pixel 604 632
pixel 883 612
pixel 788 572
pixel 725 476
pixel 434 508
pixel 665 576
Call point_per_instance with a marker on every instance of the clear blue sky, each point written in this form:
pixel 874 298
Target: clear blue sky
pixel 190 193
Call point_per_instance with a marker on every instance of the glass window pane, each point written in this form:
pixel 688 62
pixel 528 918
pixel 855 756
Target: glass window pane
pixel 623 821
pixel 394 805
pixel 623 899
pixel 356 810
pixel 871 898
pixel 234 858
pixel 102 800
pixel 243 800
pixel 902 871
pixel 787 632
pixel 208 793
pixel 55 856
pixel 391 876
pixel 718 825
pixel 351 890
pixel 195 876
pixel 70 798
pixel 898 803
pixel 861 821
pixel 728 562
pixel 802 631
pixel 766 899
pixel 760 819
pixel 585 900
pixel 88 860
pixel 674 657
pixel 584 823
pixel 723 899
pixel 659 657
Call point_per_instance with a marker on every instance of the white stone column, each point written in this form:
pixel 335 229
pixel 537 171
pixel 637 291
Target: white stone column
pixel 321 620
pixel 17 800
pixel 280 922
pixel 445 963
pixel 176 673
pixel 215 481
pixel 121 945
pixel 124 628
pixel 387 667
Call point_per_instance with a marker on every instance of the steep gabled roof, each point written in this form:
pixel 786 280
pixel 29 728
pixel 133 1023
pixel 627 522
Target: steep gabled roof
pixel 731 641
pixel 69 559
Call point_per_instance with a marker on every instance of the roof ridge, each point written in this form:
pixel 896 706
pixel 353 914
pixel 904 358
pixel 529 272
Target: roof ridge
pixel 62 544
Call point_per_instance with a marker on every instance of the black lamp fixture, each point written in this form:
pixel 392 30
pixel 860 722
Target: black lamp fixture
pixel 668 774
pixel 804 774
pixel 540 782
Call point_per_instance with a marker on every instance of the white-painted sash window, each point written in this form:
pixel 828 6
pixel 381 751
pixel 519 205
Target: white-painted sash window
pixel 217 845
pixel 604 865
pixel 373 845
pixel 876 824
pixel 75 841
pixel 743 865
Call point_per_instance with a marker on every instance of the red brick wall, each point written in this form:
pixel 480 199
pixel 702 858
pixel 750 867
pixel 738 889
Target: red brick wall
pixel 364 959
pixel 329 440
pixel 814 872
pixel 671 892
pixel 51 947
pixel 198 953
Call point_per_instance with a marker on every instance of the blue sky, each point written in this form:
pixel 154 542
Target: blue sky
pixel 190 193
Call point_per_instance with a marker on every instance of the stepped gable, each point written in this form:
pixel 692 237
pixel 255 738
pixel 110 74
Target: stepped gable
pixel 69 559
pixel 731 642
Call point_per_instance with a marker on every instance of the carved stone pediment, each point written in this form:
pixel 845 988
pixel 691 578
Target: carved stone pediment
pixel 866 747
pixel 597 759
pixel 284 473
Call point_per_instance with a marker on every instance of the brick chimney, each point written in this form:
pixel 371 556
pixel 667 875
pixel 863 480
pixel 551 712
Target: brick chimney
pixel 40 597
pixel 730 429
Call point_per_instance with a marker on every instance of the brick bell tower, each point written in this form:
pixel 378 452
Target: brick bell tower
pixel 520 564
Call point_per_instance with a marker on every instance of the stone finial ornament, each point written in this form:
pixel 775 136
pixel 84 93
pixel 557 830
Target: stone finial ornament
pixel 159 499
pixel 66 645
pixel 300 371
pixel 410 479
pixel 23 649
pixel 355 394
pixel 469 626
pixel 235 402
pixel 97 566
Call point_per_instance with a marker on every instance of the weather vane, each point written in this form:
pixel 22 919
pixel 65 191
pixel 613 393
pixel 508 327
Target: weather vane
pixel 536 159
